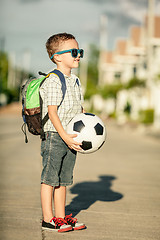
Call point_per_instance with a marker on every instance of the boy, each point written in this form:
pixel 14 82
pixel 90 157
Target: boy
pixel 59 149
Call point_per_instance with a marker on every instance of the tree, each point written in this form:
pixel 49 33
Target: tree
pixel 3 71
pixel 92 79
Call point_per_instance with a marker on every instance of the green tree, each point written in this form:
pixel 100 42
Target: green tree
pixel 92 78
pixel 11 93
pixel 3 71
pixel 135 82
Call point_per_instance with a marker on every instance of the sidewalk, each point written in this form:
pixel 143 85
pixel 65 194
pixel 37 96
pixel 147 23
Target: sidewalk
pixel 115 192
pixel 20 211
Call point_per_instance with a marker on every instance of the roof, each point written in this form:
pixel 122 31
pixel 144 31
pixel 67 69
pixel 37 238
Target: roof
pixel 136 35
pixel 121 47
pixel 156 32
pixel 157 27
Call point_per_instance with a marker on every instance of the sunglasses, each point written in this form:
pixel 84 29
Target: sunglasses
pixel 74 52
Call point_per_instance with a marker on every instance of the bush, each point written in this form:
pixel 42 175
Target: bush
pixel 12 95
pixel 110 91
pixel 112 115
pixel 91 90
pixel 135 82
pixel 146 116
pixel 128 108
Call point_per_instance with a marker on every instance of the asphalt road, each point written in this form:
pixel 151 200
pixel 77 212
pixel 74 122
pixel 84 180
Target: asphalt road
pixel 116 190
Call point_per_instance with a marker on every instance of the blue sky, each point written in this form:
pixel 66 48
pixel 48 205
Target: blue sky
pixel 26 24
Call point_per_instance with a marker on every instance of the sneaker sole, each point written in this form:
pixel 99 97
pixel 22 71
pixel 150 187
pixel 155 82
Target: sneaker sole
pixel 58 230
pixel 79 228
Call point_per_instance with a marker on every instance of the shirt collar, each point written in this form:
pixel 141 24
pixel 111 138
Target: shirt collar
pixel 71 78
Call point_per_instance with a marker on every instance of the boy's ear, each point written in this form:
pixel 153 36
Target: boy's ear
pixel 57 58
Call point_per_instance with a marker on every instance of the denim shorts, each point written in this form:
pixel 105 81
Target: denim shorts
pixel 58 161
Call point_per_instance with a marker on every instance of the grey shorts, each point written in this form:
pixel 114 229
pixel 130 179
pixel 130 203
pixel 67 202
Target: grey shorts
pixel 58 161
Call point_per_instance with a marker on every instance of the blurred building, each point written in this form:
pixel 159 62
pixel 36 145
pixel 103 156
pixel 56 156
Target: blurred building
pixel 129 58
pixel 137 57
pixel 155 45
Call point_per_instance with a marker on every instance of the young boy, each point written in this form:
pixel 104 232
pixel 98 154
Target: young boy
pixel 59 148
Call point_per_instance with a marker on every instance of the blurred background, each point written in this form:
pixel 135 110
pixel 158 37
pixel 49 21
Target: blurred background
pixel 120 71
pixel 118 186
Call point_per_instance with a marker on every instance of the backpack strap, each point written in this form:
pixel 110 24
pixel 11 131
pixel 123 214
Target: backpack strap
pixel 63 82
pixel 63 88
pixel 77 82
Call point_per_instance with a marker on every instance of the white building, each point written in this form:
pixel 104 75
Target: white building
pixel 129 58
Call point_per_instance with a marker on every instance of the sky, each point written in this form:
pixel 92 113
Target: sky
pixel 25 25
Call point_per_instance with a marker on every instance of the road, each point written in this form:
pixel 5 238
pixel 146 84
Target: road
pixel 116 190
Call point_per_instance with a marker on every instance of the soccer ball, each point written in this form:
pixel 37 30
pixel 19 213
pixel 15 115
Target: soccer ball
pixel 90 131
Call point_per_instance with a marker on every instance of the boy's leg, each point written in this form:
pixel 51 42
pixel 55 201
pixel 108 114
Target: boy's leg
pixel 54 223
pixel 46 201
pixel 59 201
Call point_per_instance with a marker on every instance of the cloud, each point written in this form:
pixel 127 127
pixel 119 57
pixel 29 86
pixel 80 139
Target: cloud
pixel 28 23
pixel 29 1
pixel 96 1
pixel 135 9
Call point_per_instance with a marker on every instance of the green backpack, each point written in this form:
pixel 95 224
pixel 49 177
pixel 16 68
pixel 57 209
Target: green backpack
pixel 32 104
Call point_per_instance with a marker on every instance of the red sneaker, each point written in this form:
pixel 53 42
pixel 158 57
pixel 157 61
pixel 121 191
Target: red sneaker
pixel 74 223
pixel 57 224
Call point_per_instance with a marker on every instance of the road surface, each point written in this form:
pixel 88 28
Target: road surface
pixel 116 190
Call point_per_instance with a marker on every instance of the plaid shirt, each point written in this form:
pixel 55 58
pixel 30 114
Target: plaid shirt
pixel 51 94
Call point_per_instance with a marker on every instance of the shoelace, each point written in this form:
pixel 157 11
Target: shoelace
pixel 58 221
pixel 70 218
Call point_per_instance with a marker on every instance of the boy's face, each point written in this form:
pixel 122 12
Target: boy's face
pixel 66 60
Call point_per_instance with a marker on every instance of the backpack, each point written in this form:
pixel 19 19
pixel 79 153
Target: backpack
pixel 32 104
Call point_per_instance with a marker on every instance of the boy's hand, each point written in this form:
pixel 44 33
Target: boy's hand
pixel 72 144
pixel 68 138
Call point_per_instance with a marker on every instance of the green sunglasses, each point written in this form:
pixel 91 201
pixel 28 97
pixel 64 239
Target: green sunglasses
pixel 74 52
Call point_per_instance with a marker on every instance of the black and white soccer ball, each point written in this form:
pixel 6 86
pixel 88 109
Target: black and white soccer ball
pixel 90 131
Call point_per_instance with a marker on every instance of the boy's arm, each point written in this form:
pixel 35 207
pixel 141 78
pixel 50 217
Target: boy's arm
pixel 68 138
